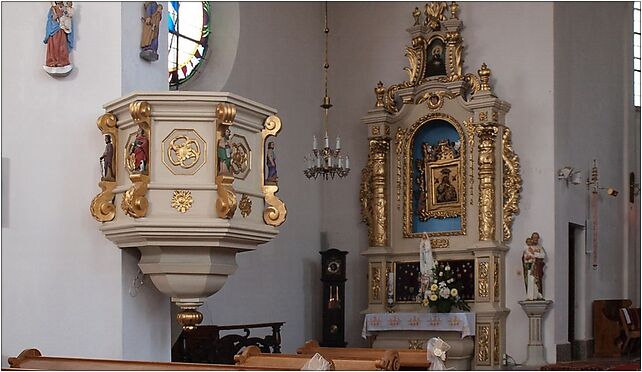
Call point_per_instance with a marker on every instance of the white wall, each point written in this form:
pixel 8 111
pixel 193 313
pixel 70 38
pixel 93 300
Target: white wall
pixel 63 283
pixel 278 63
pixel 590 123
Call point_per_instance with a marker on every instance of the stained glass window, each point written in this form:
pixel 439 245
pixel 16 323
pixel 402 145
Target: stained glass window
pixel 189 30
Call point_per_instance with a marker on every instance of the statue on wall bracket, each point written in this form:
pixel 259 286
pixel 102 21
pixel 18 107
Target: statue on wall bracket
pixel 153 13
pixel 59 38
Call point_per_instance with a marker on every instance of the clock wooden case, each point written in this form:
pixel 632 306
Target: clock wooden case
pixel 333 276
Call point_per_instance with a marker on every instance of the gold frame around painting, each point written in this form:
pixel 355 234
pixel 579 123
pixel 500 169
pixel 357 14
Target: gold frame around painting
pixel 447 207
pixel 445 210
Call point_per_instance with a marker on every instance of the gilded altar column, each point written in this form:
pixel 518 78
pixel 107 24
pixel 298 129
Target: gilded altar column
pixel 378 159
pixel 487 135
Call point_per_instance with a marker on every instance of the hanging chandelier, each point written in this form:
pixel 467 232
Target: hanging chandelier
pixel 326 162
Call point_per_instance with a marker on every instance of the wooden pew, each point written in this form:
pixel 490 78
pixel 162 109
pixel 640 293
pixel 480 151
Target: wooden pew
pixel 408 359
pixel 252 356
pixel 32 359
pixel 630 321
pixel 606 326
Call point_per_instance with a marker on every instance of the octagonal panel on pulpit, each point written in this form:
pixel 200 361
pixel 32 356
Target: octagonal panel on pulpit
pixel 241 156
pixel 184 152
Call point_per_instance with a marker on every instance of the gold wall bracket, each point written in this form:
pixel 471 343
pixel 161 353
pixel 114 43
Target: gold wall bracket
pixel 135 201
pixel 275 211
pixel 102 206
pixel 226 202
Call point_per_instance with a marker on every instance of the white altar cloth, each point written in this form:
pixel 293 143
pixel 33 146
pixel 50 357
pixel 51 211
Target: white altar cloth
pixel 462 322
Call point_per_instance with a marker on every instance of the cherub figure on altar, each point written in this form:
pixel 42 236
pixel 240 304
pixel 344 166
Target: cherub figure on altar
pixel 533 263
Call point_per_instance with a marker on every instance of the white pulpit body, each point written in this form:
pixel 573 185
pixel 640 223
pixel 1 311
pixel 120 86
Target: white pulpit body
pixel 183 180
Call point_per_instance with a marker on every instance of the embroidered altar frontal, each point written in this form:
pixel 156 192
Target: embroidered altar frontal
pixel 460 322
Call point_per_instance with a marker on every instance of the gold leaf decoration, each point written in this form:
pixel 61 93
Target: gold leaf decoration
pixel 512 185
pixel 245 205
pixel 182 200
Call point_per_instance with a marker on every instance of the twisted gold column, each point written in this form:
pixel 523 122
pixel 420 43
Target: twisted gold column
pixel 378 159
pixel 487 135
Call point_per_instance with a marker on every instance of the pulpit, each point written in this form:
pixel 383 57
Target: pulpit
pixel 183 181
pixel 440 163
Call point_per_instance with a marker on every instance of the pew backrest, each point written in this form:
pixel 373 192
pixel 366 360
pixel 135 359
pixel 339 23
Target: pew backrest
pixel 252 356
pixel 406 358
pixel 32 359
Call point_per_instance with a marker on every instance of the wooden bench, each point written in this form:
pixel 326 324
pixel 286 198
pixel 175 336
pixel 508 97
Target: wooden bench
pixel 252 356
pixel 408 359
pixel 630 322
pixel 606 326
pixel 32 359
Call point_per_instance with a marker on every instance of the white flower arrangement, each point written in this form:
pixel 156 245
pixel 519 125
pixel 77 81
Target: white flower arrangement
pixel 442 290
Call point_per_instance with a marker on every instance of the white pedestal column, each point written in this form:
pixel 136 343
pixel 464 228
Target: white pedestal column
pixel 535 311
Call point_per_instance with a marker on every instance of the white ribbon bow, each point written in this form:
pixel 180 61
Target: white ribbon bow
pixel 436 349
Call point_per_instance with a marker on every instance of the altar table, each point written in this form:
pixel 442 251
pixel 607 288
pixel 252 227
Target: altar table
pixel 461 322
pixel 412 330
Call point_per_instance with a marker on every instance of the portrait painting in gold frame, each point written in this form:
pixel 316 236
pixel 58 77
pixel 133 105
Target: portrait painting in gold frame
pixel 445 188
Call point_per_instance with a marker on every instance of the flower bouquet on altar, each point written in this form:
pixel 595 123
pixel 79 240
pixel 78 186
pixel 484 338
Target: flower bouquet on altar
pixel 442 290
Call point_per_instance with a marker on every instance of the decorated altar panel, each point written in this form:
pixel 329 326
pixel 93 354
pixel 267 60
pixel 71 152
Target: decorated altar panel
pixel 440 167
pixel 437 188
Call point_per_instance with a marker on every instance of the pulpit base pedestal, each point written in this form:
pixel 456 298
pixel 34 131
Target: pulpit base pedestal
pixel 461 350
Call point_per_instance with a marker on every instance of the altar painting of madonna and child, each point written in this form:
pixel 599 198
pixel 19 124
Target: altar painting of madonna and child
pixel 437 179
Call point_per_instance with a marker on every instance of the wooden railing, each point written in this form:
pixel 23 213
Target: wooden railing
pixel 206 344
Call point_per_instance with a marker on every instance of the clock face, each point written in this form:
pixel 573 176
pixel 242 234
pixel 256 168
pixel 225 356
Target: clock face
pixel 334 267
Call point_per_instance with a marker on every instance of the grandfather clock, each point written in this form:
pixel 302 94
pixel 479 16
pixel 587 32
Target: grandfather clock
pixel 333 276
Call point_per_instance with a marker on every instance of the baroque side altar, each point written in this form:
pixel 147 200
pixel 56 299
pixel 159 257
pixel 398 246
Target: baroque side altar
pixel 441 162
